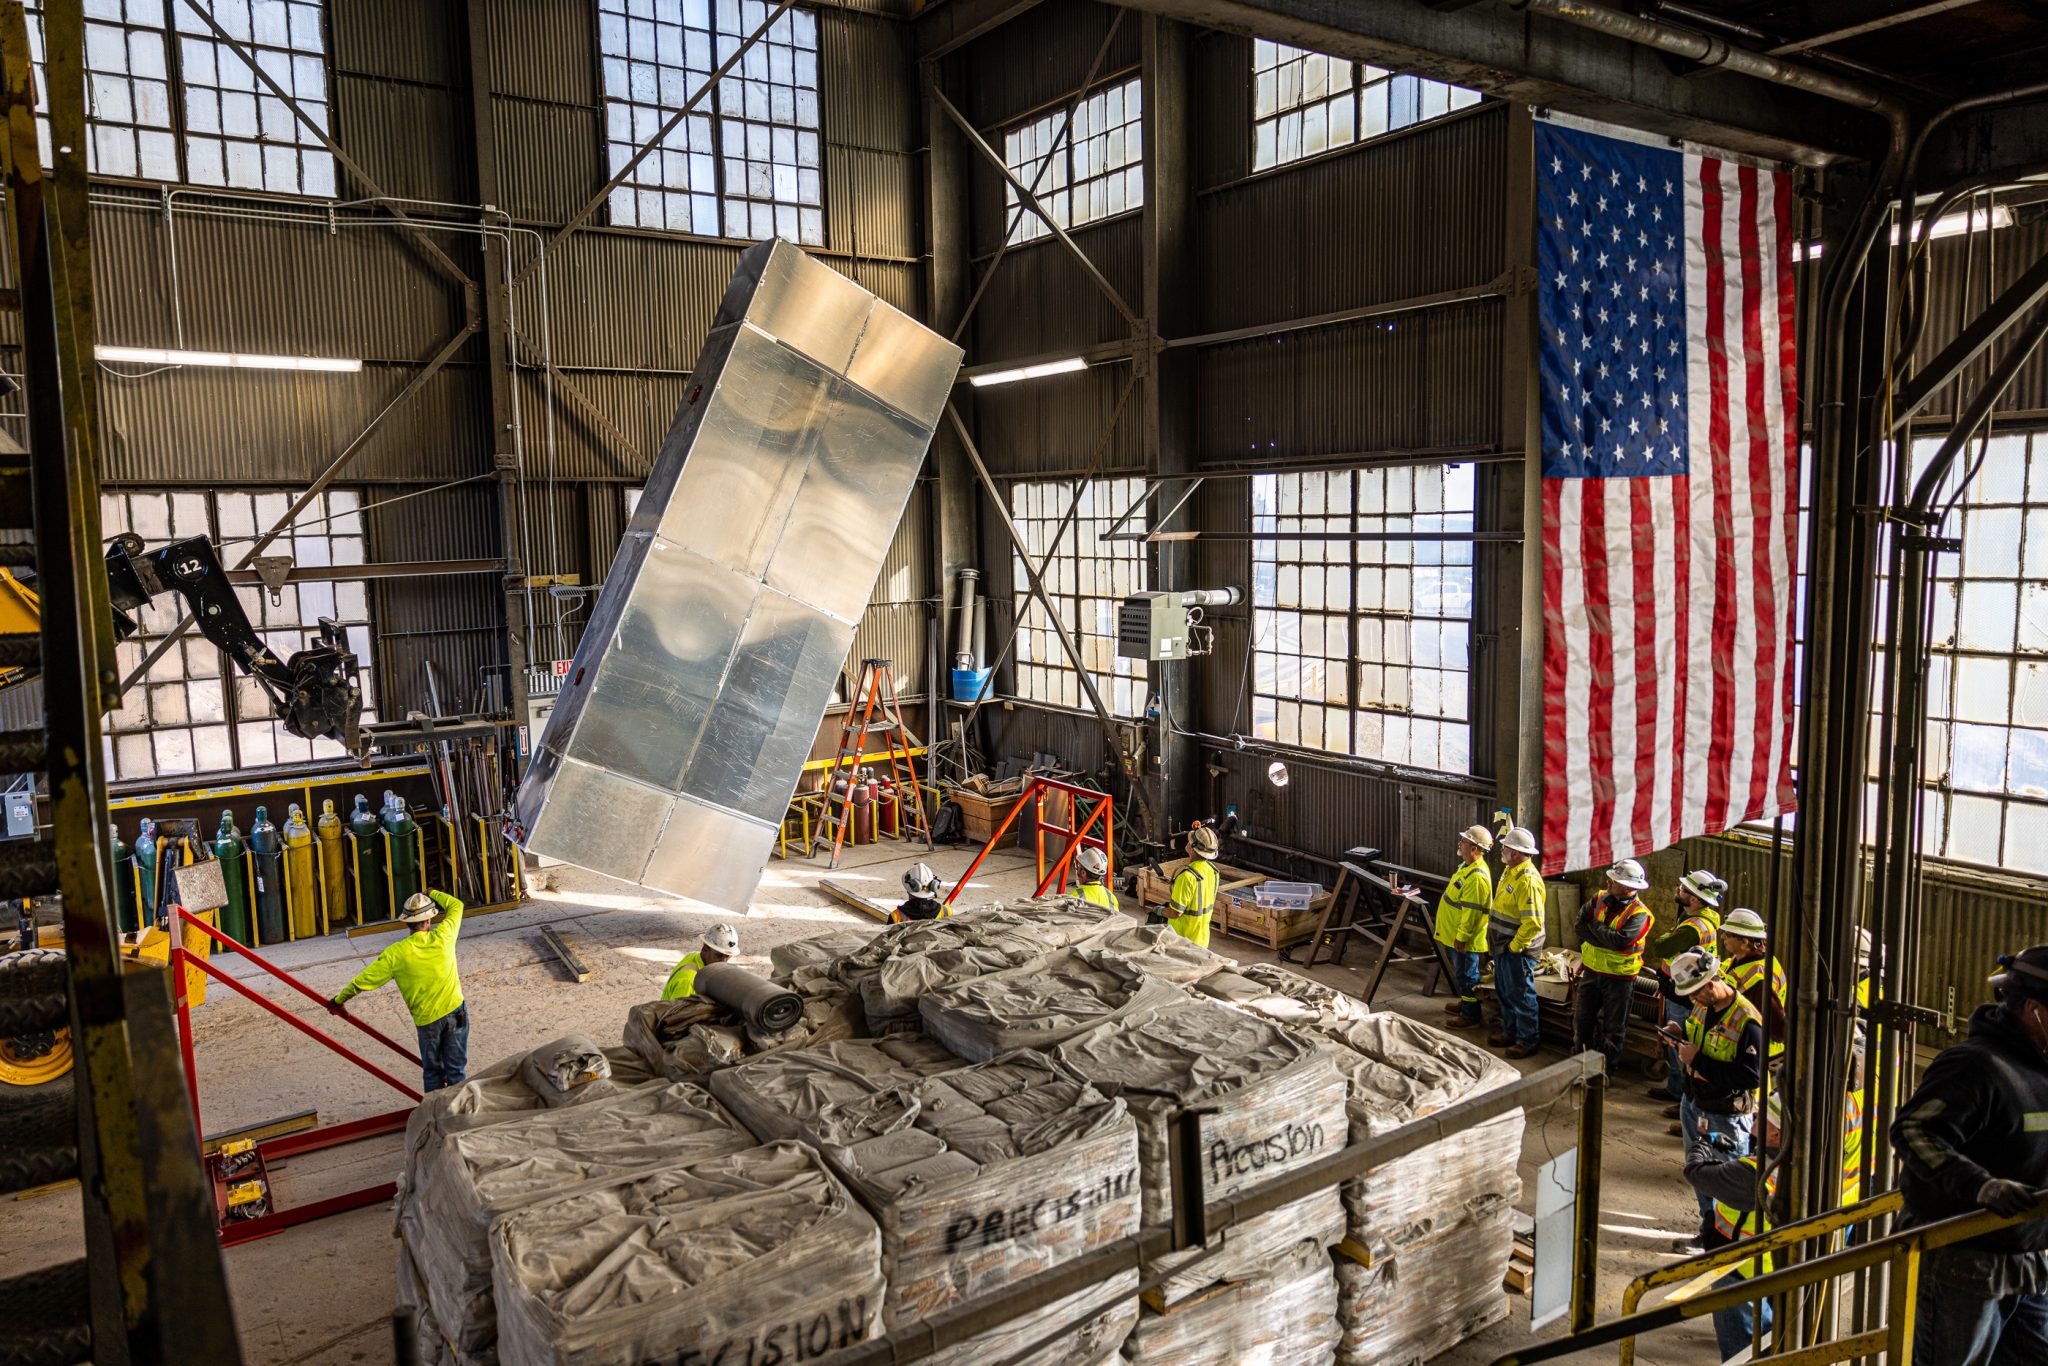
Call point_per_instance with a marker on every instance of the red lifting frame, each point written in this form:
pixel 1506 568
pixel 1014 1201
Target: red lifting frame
pixel 1078 836
pixel 310 1140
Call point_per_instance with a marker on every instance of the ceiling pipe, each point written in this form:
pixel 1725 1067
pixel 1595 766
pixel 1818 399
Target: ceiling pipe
pixel 1709 51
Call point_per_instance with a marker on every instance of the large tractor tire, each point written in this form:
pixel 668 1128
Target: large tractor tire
pixel 33 1063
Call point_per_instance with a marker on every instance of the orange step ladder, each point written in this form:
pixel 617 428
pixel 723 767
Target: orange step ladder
pixel 874 712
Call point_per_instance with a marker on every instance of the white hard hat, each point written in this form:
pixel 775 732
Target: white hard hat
pixel 1744 923
pixel 1628 873
pixel 1093 863
pixel 1705 886
pixel 1202 841
pixel 722 938
pixel 1520 840
pixel 418 907
pixel 920 880
pixel 1477 835
pixel 1692 970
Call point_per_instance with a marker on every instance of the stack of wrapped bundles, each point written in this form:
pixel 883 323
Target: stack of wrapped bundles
pixel 689 1039
pixel 1275 1103
pixel 980 1177
pixel 781 1095
pixel 1043 1003
pixel 1157 951
pixel 1428 1235
pixel 755 1256
pixel 466 1170
pixel 1286 1316
pixel 1284 997
pixel 892 971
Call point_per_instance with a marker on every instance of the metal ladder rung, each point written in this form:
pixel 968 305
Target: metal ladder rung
pixel 27 868
pixel 46 1317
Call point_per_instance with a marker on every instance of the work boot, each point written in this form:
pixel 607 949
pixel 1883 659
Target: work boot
pixel 1497 1039
pixel 1462 1023
pixel 1671 1112
pixel 1689 1247
pixel 1454 1008
pixel 1676 1132
pixel 1516 1050
pixel 1661 1093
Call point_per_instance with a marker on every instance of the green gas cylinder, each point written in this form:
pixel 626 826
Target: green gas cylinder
pixel 301 895
pixel 369 837
pixel 235 921
pixel 333 891
pixel 145 867
pixel 124 880
pixel 266 863
pixel 404 844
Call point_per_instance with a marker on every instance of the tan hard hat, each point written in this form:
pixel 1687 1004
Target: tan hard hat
pixel 1202 840
pixel 1478 835
pixel 419 906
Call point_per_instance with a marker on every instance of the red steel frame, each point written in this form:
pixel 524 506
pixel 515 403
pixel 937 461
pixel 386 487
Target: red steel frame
pixel 310 1140
pixel 1078 836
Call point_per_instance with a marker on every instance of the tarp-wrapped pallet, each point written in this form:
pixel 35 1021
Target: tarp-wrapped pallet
pixel 980 1177
pixel 1275 1103
pixel 690 1038
pixel 1285 1316
pixel 467 1170
pixel 725 621
pixel 1043 1003
pixel 782 1095
pixel 892 972
pixel 1429 1297
pixel 755 1256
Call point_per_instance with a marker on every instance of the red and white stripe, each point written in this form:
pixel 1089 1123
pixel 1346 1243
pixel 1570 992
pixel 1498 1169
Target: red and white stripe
pixel 1667 601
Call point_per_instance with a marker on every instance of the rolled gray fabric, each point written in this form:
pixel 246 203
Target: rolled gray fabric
pixel 767 1008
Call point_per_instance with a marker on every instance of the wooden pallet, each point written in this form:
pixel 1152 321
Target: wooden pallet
pixel 1242 916
pixel 1156 1302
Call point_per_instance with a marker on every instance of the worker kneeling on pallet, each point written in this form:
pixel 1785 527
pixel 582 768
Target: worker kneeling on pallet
pixel 423 965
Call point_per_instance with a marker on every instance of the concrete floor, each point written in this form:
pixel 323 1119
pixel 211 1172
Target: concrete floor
pixel 320 1294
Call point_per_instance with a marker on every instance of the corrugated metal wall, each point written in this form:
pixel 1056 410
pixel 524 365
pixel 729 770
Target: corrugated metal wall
pixel 1966 273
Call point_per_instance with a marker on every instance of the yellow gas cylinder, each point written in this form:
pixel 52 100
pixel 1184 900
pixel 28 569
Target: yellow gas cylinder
pixel 302 894
pixel 333 864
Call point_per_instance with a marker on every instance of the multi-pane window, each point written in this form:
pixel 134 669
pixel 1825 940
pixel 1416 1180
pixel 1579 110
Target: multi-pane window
pixel 746 164
pixel 1093 172
pixel 1986 740
pixel 1305 103
pixel 1087 578
pixel 151 101
pixel 195 711
pixel 1362 614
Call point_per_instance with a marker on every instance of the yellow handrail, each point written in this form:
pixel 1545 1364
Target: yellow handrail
pixel 1901 1251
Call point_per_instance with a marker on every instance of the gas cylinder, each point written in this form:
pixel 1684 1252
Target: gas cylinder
pixel 333 891
pixel 124 880
pixel 145 867
pixel 369 836
pixel 228 847
pixel 266 867
pixel 301 895
pixel 404 844
pixel 888 814
pixel 863 811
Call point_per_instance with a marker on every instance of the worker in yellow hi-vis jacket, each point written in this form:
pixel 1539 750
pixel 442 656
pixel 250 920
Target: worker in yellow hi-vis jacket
pixel 1093 866
pixel 1461 915
pixel 423 965
pixel 1192 897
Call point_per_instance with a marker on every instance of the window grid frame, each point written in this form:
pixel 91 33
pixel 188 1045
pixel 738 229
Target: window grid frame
pixel 178 127
pixel 1362 86
pixel 1058 186
pixel 1041 672
pixel 711 119
pixel 245 718
pixel 1368 727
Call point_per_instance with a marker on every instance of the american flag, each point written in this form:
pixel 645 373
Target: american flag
pixel 1669 482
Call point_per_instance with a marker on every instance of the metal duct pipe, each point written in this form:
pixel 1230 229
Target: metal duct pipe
pixel 963 639
pixel 1212 597
pixel 1710 51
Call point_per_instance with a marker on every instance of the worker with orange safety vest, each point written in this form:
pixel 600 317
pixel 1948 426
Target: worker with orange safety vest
pixel 1721 1049
pixel 1747 960
pixel 1698 900
pixel 1740 1210
pixel 1613 928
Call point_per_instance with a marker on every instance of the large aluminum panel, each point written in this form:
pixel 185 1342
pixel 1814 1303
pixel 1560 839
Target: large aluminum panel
pixel 724 625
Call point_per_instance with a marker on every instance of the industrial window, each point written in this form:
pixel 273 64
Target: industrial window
pixel 1986 742
pixel 745 164
pixel 1362 623
pixel 1095 172
pixel 196 712
pixel 1305 103
pixel 235 132
pixel 1087 579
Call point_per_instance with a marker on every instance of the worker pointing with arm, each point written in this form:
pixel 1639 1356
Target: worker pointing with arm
pixel 423 965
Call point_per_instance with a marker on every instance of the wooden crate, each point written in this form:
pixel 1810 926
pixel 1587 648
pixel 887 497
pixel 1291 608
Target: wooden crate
pixel 1153 887
pixel 981 815
pixel 1239 913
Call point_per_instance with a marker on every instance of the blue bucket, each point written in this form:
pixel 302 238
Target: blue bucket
pixel 970 684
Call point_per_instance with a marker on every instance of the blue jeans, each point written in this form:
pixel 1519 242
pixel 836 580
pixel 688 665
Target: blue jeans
pixel 1734 1132
pixel 1675 1012
pixel 444 1050
pixel 1514 984
pixel 1465 975
pixel 1956 1328
pixel 1734 1328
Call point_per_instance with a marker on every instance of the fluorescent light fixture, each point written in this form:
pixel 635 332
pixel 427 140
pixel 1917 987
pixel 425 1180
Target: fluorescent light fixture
pixel 1051 367
pixel 228 360
pixel 1948 225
